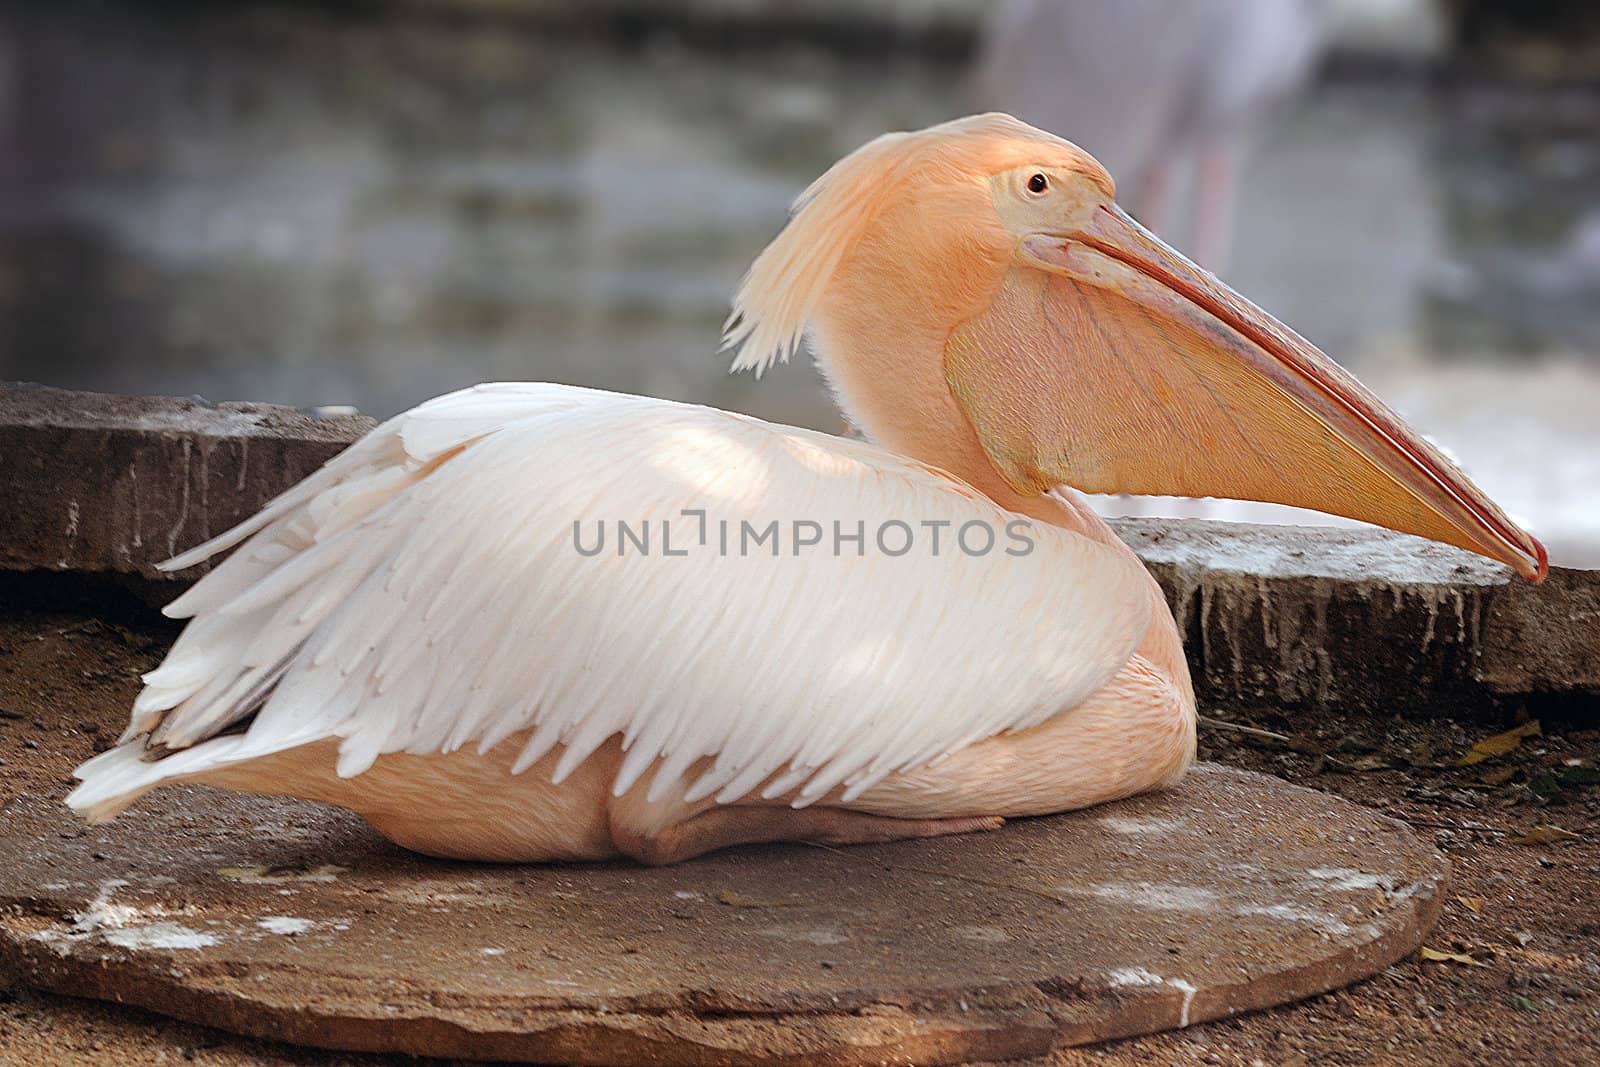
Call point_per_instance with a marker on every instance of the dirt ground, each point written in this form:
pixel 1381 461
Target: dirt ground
pixel 1520 935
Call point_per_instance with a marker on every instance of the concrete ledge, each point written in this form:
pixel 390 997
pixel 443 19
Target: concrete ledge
pixel 1286 617
pixel 1293 616
pixel 114 484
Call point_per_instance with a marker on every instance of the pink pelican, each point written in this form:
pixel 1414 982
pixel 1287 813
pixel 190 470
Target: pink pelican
pixel 425 631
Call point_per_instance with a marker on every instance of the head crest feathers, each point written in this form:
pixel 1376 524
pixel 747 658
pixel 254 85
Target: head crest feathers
pixel 783 288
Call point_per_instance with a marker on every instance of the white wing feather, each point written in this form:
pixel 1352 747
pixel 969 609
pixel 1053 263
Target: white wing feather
pixel 424 591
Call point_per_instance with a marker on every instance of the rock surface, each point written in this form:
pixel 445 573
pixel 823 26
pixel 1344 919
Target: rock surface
pixel 1232 892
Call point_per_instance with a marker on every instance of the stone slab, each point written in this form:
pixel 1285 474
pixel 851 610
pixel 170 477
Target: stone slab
pixel 280 919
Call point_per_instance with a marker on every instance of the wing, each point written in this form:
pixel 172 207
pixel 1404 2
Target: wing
pixel 438 585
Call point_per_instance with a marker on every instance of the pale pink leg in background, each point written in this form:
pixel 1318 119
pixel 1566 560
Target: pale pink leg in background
pixel 1215 179
pixel 1152 196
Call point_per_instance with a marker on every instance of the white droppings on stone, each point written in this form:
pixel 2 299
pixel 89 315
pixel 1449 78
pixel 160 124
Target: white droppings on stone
pixel 54 939
pixel 686 894
pixel 560 982
pixel 1135 976
pixel 824 937
pixel 491 952
pixel 1188 990
pixel 1322 921
pixel 1141 824
pixel 123 925
pixel 287 925
pixel 100 914
pixel 1345 879
pixel 1154 896
pixel 811 936
pixel 1398 896
pixel 1140 976
pixel 168 935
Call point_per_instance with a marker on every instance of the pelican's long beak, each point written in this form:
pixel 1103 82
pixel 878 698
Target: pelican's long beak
pixel 1111 363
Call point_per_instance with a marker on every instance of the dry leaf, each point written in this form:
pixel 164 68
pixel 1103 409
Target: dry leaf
pixel 1499 744
pixel 1546 834
pixel 1499 776
pixel 1472 904
pixel 1433 955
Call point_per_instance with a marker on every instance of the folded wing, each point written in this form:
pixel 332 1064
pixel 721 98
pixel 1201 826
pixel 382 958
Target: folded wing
pixel 437 586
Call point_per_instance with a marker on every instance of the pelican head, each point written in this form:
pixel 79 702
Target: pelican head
pixel 978 301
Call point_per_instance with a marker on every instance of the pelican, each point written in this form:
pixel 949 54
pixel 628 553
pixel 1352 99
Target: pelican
pixel 437 632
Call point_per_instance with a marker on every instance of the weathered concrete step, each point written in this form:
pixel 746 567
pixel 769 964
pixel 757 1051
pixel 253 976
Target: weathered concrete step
pixel 1286 616
pixel 1232 892
pixel 115 484
pixel 1365 619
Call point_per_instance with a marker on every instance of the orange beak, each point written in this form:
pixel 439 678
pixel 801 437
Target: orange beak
pixel 1111 363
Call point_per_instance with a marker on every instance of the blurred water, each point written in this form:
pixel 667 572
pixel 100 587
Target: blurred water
pixel 287 207
pixel 276 204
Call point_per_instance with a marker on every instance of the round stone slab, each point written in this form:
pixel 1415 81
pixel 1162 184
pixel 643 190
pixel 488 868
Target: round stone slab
pixel 1232 891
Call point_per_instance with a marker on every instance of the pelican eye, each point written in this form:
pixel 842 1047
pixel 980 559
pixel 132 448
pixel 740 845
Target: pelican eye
pixel 1037 184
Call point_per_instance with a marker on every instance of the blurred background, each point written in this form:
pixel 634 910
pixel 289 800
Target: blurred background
pixel 367 204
